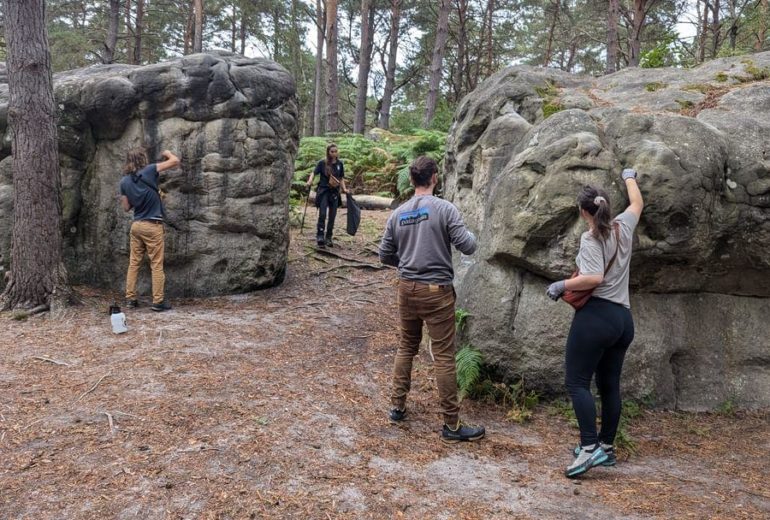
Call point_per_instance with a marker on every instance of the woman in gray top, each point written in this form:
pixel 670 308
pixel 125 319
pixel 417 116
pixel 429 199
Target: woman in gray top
pixel 603 329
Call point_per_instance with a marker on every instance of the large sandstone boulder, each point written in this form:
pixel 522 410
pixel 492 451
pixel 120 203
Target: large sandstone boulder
pixel 233 123
pixel 522 145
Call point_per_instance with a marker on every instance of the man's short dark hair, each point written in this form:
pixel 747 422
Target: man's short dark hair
pixel 421 170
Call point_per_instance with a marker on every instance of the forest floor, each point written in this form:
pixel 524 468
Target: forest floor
pixel 273 405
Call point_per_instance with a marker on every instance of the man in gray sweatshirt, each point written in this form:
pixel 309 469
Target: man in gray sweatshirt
pixel 418 240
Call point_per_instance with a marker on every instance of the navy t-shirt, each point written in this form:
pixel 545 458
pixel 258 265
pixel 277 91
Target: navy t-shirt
pixel 144 199
pixel 338 170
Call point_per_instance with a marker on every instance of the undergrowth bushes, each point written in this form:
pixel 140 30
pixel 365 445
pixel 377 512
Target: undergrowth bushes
pixel 376 166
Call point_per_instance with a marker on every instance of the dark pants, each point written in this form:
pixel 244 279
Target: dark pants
pixel 598 340
pixel 329 200
pixel 434 305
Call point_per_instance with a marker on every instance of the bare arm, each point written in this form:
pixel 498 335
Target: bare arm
pixel 636 203
pixel 583 282
pixel 169 161
pixel 124 202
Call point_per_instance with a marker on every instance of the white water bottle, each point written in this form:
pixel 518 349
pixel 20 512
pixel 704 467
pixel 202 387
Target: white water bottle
pixel 118 320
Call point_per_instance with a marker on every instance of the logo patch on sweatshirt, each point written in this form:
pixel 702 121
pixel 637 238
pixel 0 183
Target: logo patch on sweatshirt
pixel 410 218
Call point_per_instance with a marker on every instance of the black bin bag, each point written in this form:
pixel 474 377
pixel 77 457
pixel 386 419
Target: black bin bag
pixel 354 215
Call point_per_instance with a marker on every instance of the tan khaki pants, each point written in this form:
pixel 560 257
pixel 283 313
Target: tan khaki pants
pixel 146 236
pixel 434 305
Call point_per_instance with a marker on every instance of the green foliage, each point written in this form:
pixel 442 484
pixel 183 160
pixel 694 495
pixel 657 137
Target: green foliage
pixel 727 408
pixel 520 402
pixel 654 86
pixel 409 119
pixel 685 103
pixel 563 408
pixel 703 88
pixel 667 52
pixel 550 109
pixel 461 317
pixel 469 363
pixel 754 72
pixel 721 77
pixel 549 93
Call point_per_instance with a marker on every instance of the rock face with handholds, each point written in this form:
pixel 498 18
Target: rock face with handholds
pixel 521 147
pixel 233 122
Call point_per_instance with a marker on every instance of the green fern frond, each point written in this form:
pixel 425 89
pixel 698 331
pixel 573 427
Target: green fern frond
pixel 469 362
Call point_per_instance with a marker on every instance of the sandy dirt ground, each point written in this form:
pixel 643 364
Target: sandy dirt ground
pixel 273 405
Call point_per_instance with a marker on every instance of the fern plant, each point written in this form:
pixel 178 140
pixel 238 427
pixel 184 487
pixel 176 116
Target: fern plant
pixel 469 362
pixel 461 317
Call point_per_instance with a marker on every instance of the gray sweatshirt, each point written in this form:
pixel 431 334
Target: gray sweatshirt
pixel 418 239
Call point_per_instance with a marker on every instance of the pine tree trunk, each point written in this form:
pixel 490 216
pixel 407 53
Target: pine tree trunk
pixel 244 24
pixel 138 30
pixel 490 38
pixel 635 37
pixel 319 69
pixel 462 39
pixel 130 34
pixel 332 116
pixel 703 29
pixel 551 31
pixel 364 65
pixel 439 48
pixel 390 74
pixel 759 45
pixel 234 28
pixel 198 39
pixel 37 275
pixel 613 16
pixel 716 28
pixel 112 32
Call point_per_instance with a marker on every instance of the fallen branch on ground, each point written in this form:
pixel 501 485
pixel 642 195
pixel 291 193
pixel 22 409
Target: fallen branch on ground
pixel 112 424
pixel 93 387
pixel 359 265
pixel 54 361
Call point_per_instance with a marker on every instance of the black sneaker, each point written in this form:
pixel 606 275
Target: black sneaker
pixel 132 304
pixel 329 242
pixel 320 241
pixel 463 432
pixel 397 415
pixel 160 307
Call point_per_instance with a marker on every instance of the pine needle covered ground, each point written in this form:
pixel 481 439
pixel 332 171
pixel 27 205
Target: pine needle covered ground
pixel 273 405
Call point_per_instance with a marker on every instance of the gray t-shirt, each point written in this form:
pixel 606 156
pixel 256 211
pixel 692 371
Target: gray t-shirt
pixel 594 255
pixel 418 239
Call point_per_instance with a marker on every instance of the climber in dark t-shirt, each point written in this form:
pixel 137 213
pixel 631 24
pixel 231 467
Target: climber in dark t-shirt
pixel 139 191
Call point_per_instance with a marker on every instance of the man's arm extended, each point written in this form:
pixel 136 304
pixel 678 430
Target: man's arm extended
pixel 169 161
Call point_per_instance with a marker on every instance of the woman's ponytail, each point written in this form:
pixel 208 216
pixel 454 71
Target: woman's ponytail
pixel 597 203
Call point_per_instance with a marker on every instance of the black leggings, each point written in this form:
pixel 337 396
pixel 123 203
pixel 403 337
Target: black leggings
pixel 598 339
pixel 328 203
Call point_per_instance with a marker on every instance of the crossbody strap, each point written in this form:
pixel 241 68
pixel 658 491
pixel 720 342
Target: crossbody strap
pixel 617 246
pixel 153 188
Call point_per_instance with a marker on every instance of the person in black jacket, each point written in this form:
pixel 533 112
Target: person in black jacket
pixel 327 198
